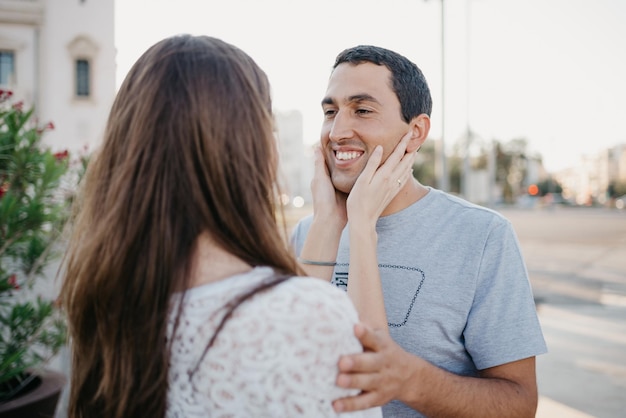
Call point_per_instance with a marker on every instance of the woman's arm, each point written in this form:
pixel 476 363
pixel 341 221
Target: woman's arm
pixel 319 252
pixel 375 188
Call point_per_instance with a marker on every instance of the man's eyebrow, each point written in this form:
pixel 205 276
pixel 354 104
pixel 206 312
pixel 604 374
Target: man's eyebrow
pixel 327 101
pixel 356 98
pixel 364 97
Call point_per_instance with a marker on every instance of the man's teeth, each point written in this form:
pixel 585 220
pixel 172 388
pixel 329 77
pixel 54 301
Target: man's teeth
pixel 350 155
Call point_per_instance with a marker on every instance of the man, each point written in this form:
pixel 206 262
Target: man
pixel 446 276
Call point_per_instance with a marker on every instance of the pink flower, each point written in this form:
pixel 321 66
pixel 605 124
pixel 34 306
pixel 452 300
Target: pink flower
pixel 18 106
pixel 61 155
pixel 5 95
pixel 13 281
pixel 49 126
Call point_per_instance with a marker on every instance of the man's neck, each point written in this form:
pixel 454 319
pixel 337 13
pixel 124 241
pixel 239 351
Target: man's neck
pixel 410 193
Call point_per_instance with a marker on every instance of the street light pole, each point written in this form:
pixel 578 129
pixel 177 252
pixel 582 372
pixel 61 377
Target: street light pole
pixel 441 171
pixel 465 178
pixel 440 164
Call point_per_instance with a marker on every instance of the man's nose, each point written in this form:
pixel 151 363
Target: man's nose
pixel 341 127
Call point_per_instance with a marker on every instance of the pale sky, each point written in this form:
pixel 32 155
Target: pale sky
pixel 551 71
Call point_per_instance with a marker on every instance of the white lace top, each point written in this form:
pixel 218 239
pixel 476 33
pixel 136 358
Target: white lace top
pixel 275 357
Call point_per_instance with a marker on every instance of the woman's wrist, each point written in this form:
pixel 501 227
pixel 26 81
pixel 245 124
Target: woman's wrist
pixel 317 262
pixel 330 223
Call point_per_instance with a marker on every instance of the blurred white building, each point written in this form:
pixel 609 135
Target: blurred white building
pixel 59 55
pixel 296 158
pixel 588 181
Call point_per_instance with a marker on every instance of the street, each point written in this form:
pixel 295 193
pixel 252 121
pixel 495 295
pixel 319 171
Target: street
pixel 576 259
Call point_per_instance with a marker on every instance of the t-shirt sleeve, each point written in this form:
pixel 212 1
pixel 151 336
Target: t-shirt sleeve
pixel 298 235
pixel 503 325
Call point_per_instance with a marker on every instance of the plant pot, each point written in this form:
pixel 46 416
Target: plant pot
pixel 40 402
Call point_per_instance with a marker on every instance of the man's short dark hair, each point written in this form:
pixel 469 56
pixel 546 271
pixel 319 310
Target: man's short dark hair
pixel 407 80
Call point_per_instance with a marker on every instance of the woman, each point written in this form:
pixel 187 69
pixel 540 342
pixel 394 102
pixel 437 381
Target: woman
pixel 182 296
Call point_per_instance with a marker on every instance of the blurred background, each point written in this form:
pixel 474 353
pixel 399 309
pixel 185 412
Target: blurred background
pixel 529 96
pixel 529 104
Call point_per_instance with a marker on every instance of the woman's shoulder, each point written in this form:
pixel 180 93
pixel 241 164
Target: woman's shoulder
pixel 281 346
pixel 313 293
pixel 317 289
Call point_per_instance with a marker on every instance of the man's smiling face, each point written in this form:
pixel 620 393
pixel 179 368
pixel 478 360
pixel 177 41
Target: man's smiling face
pixel 361 111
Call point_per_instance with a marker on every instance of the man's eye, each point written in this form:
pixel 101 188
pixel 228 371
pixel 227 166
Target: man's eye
pixel 329 112
pixel 363 111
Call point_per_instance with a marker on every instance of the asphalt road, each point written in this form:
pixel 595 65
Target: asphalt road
pixel 576 260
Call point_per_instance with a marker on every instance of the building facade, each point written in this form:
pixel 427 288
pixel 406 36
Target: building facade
pixel 59 56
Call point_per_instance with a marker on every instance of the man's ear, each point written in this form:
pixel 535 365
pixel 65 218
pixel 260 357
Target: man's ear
pixel 420 126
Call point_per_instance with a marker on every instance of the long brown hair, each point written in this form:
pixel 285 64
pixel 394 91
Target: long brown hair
pixel 189 148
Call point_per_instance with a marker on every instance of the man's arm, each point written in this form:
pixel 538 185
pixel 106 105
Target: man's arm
pixel 386 372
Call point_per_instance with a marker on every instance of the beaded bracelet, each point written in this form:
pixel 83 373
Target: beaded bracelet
pixel 318 263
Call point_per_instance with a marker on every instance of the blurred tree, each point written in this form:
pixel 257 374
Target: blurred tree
pixel 616 189
pixel 455 166
pixel 455 170
pixel 424 167
pixel 511 167
pixel 549 185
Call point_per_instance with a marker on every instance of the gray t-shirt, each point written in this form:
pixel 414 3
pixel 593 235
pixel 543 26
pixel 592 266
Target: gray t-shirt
pixel 455 285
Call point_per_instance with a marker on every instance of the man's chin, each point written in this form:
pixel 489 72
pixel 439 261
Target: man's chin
pixel 343 186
